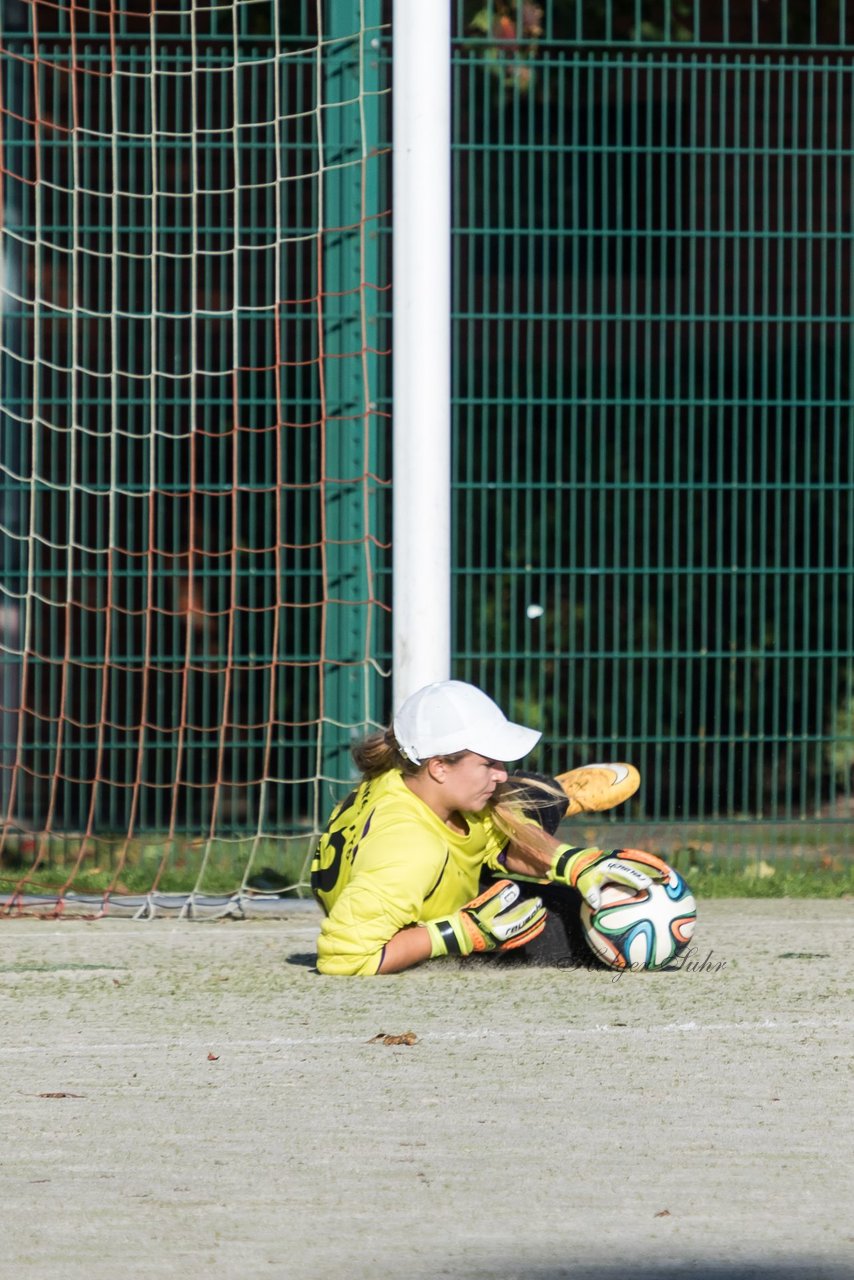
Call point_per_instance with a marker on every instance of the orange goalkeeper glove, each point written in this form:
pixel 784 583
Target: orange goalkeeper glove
pixel 497 920
pixel 587 870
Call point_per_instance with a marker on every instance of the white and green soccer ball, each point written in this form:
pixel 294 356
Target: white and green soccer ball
pixel 641 930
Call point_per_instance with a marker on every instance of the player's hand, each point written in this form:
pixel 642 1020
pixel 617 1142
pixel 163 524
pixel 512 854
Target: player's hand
pixel 497 920
pixel 587 870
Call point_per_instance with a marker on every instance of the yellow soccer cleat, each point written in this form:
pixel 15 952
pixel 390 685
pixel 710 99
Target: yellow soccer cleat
pixel 593 788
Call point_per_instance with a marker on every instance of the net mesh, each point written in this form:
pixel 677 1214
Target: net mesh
pixel 192 443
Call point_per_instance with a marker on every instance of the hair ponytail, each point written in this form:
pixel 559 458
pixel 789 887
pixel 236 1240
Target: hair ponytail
pixel 379 753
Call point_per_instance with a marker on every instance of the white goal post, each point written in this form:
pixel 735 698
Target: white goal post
pixel 421 345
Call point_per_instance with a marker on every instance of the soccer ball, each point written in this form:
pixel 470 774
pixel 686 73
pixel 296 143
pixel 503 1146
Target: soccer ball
pixel 644 930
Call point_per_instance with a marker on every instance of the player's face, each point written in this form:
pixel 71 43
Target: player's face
pixel 472 781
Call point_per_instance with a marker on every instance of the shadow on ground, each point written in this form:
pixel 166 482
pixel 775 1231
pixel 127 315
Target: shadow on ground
pixel 794 1269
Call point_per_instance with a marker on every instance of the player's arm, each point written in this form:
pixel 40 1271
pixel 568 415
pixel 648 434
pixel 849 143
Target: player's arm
pixel 533 862
pixel 408 947
pixel 497 920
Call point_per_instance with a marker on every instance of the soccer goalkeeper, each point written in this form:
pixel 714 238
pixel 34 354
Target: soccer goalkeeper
pixel 436 854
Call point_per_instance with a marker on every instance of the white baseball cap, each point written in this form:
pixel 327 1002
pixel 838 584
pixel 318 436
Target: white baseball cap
pixel 451 716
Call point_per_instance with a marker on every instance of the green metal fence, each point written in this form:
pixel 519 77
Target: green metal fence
pixel 653 398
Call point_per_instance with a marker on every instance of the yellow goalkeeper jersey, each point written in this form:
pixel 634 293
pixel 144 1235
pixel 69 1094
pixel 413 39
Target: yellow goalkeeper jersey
pixel 386 860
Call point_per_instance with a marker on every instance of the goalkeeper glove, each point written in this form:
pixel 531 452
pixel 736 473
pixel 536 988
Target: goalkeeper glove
pixel 497 920
pixel 587 870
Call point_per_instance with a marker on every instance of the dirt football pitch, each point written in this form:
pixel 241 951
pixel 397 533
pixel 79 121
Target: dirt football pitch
pixel 191 1099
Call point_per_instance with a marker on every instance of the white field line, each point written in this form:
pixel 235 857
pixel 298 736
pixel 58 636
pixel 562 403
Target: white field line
pixel 222 1040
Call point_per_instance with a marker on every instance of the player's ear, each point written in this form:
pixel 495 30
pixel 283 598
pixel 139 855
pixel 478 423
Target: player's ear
pixel 436 768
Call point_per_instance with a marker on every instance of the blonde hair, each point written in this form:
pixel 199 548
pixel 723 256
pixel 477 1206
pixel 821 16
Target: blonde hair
pixel 516 808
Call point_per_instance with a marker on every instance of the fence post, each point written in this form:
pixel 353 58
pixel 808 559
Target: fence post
pixel 349 125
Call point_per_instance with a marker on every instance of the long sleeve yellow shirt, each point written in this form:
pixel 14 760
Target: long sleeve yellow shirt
pixel 385 861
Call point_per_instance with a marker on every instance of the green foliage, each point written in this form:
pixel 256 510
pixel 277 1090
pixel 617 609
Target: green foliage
pixel 711 875
pixel 513 32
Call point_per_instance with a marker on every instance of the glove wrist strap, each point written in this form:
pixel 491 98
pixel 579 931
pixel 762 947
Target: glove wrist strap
pixel 563 864
pixel 448 937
